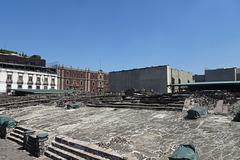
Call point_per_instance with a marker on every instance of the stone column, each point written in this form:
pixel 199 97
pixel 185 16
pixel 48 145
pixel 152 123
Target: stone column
pixel 40 144
pixel 26 134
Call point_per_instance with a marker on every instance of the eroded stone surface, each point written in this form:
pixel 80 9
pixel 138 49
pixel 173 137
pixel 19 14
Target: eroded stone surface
pixel 143 133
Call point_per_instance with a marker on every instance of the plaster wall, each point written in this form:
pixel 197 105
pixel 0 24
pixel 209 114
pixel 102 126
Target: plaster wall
pixel 26 74
pixel 154 78
pixel 181 76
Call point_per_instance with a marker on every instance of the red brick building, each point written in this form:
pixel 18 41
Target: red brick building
pixel 15 58
pixel 83 80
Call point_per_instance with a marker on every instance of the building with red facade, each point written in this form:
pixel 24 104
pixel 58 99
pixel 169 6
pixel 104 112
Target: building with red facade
pixel 16 59
pixel 84 80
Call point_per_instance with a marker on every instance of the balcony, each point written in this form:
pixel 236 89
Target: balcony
pixel 38 83
pixel 9 81
pixel 19 82
pixel 30 83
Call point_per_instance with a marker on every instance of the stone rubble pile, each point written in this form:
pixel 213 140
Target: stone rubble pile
pixel 118 140
pixel 209 99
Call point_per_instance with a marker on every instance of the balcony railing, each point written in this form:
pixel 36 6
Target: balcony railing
pixel 30 83
pixel 20 82
pixel 38 83
pixel 9 81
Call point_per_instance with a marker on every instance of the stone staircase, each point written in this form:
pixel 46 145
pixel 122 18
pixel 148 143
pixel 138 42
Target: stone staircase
pixel 17 135
pixel 172 102
pixel 67 148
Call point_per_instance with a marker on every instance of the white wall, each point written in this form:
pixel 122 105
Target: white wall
pixel 15 74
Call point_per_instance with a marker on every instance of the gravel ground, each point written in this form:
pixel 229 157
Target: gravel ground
pixel 145 134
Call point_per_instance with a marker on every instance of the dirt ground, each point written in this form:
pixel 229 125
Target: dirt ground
pixel 145 134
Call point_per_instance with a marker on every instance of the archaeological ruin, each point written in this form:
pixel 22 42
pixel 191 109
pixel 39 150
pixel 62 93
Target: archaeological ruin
pixel 136 124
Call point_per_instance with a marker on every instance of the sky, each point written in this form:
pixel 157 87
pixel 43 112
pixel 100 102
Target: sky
pixel 115 35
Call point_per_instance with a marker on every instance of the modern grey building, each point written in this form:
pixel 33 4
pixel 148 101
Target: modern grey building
pixel 220 74
pixel 150 78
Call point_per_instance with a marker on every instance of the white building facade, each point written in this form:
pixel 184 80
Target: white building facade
pixel 23 79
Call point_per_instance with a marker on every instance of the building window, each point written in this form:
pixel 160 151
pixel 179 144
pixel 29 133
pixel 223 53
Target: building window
pixel 75 74
pixel 29 86
pixel 19 86
pixel 100 77
pixel 93 83
pixel 81 75
pixel 81 83
pixel 67 88
pixel 38 87
pixel 81 89
pixel 20 79
pixel 67 82
pixel 9 78
pixel 53 81
pixel 93 76
pixel 45 87
pixel 179 81
pixel 30 79
pixel 38 80
pixel 173 80
pixel 9 87
pixel 46 81
pixel 188 81
pixel 67 73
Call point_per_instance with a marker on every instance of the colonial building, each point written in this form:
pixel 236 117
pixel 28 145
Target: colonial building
pixel 18 72
pixel 84 80
pixel 151 78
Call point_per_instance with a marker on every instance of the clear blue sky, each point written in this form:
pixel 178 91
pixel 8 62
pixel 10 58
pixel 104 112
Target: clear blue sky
pixel 190 35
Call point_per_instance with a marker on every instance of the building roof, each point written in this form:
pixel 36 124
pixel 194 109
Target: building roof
pixel 208 83
pixel 140 68
pixel 42 91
